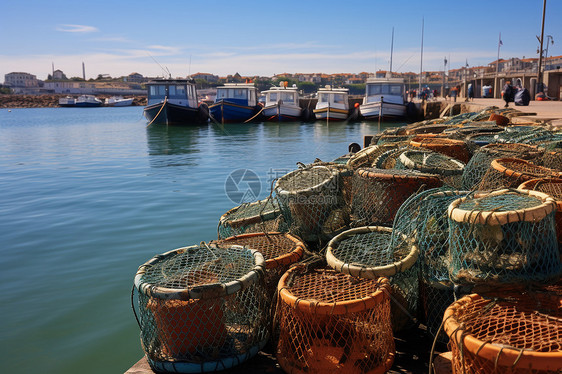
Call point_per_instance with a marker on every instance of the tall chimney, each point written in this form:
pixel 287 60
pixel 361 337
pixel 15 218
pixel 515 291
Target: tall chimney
pixel 83 71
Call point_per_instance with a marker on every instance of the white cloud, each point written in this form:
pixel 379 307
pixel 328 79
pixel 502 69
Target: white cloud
pixel 76 28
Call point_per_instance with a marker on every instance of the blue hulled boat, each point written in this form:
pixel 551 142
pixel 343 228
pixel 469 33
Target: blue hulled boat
pixel 235 103
pixel 174 102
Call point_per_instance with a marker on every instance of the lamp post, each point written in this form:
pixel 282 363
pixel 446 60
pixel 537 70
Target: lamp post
pixel 541 39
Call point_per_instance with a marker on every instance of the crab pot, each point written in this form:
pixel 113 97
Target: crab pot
pixel 389 159
pixel 456 149
pixel 512 335
pixel 202 309
pixel 480 162
pixel 332 322
pixel 280 250
pixel 368 252
pixel 552 160
pixel 449 169
pixel 503 237
pixel 259 216
pixel 551 187
pixel 511 172
pixel 366 156
pixel 377 193
pixel 311 196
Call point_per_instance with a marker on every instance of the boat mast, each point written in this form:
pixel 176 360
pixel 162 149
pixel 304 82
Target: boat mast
pixel 421 60
pixel 391 50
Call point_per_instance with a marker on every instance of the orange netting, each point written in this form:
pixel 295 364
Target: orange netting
pixel 330 322
pixel 378 193
pixel 511 172
pixel 453 148
pixel 518 334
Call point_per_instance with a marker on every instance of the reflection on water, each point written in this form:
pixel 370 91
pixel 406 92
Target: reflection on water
pixel 174 145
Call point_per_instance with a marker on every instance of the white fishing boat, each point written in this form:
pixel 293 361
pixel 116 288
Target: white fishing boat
pixel 118 101
pixel 87 101
pixel 282 103
pixel 384 97
pixel 67 101
pixel 333 104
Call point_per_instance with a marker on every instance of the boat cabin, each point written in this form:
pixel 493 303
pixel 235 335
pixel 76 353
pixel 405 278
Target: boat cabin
pixel 283 95
pixel 177 91
pixel 333 97
pixel 240 93
pixel 391 89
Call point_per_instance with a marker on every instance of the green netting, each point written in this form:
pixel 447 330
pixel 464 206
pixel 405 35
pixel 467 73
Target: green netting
pixel 518 134
pixel 511 172
pixel 260 216
pixel 436 297
pixel 366 156
pixel 366 252
pixel 314 198
pixel 449 170
pixel 377 194
pixel 388 159
pixel 202 309
pixel 503 237
pixel 480 162
pixel 385 139
pixel 552 160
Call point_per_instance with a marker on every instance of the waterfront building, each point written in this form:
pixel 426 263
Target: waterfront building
pixel 58 74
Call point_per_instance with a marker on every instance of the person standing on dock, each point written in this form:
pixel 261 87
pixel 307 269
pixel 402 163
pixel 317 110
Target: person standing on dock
pixel 508 93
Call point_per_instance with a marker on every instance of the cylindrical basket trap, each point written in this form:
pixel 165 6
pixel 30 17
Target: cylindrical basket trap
pixel 202 309
pixel 480 162
pixel 457 149
pixel 366 252
pixel 551 187
pixel 503 237
pixel 312 196
pixel 511 172
pixel 259 216
pixel 332 322
pixel 280 250
pixel 378 193
pixel 513 336
pixel 366 156
pixel 449 169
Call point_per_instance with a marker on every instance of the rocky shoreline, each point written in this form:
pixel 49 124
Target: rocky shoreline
pixel 48 101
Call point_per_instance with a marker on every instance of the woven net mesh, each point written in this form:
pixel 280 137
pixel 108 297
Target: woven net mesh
pixel 511 172
pixel 280 250
pixel 449 170
pixel 480 162
pixel 517 334
pixel 313 198
pixel 211 332
pixel 552 160
pixel 368 155
pixel 353 340
pixel 497 250
pixel 370 250
pixel 389 159
pixel 377 194
pixel 260 216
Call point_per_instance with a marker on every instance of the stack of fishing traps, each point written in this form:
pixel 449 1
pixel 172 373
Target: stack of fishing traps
pixel 454 223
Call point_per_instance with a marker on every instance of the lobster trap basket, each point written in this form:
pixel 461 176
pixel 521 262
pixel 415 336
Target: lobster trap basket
pixel 511 172
pixel 512 335
pixel 332 322
pixel 456 149
pixel 313 199
pixel 377 193
pixel 280 250
pixel 503 237
pixel 449 169
pixel 435 298
pixel 202 309
pixel 366 252
pixel 366 156
pixel 552 160
pixel 388 159
pixel 401 139
pixel 259 216
pixel 480 162
pixel 551 187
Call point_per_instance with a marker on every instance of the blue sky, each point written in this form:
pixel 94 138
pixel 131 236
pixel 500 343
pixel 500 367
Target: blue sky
pixel 266 37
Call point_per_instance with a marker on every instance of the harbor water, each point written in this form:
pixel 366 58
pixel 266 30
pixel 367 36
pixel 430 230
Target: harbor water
pixel 88 195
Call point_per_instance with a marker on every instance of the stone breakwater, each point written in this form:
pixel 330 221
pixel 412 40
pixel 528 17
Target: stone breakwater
pixel 46 101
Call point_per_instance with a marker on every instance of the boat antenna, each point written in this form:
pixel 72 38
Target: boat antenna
pixel 391 50
pixel 161 67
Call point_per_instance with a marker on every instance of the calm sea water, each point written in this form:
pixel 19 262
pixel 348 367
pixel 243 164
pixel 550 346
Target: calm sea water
pixel 88 195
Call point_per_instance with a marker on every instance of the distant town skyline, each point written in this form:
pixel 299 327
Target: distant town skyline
pixel 261 38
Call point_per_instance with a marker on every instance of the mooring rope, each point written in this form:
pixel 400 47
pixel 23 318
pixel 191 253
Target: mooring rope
pixel 157 114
